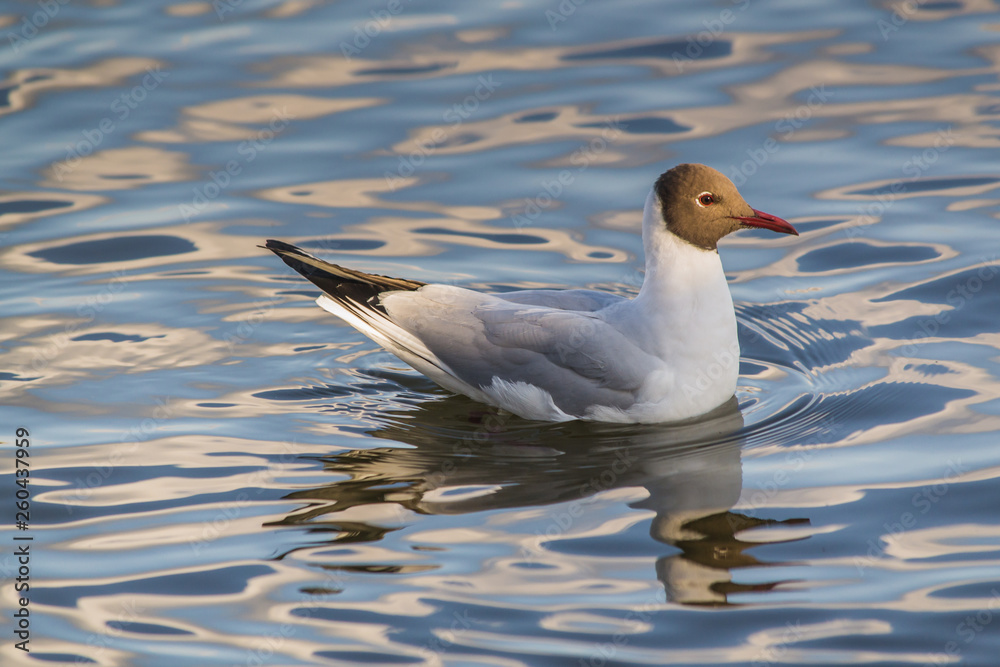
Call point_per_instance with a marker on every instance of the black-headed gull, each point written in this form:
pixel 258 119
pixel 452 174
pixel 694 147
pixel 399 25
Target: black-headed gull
pixel 670 353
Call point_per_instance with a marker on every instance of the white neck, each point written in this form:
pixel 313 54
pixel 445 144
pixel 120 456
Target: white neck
pixel 676 270
pixel 685 313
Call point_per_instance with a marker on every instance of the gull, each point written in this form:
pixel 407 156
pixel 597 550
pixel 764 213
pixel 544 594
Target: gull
pixel 670 353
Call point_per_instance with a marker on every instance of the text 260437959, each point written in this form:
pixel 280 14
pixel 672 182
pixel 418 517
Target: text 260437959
pixel 22 542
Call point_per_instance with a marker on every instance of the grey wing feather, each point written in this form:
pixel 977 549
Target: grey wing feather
pixel 578 357
pixel 581 300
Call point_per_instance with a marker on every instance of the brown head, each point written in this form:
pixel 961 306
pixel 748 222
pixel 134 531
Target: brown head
pixel 700 205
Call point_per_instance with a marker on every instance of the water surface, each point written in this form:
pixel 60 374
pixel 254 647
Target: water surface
pixel 223 474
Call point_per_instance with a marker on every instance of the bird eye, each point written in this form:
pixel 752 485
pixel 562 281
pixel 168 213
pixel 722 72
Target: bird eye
pixel 706 199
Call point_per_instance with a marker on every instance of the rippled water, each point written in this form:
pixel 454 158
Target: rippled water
pixel 223 474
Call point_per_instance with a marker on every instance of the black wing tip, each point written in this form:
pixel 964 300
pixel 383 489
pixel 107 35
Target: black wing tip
pixel 296 258
pixel 320 271
pixel 278 247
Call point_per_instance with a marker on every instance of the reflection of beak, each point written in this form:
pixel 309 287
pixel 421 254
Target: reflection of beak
pixel 766 221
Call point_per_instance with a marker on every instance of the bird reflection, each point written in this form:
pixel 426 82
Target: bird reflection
pixel 692 472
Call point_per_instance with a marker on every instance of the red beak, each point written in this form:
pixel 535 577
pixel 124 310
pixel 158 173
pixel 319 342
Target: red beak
pixel 767 221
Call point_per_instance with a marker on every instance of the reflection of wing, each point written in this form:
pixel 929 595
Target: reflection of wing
pixel 531 465
pixel 575 355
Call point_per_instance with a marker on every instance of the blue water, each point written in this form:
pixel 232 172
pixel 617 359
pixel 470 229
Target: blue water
pixel 220 473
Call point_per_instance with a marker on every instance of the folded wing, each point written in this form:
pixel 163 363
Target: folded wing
pixel 472 343
pixel 576 356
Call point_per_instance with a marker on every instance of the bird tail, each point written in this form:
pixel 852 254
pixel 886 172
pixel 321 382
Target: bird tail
pixel 352 289
pixel 354 296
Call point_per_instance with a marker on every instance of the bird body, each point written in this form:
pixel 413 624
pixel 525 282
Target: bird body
pixel 668 354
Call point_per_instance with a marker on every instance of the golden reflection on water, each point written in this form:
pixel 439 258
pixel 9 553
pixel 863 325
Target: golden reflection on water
pixel 45 204
pixel 25 85
pixel 455 225
pixel 188 9
pixel 940 11
pixel 799 92
pixel 120 169
pixel 290 8
pixel 206 242
pixel 225 120
pixel 68 350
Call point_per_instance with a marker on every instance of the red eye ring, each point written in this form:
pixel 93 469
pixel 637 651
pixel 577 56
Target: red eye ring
pixel 706 199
